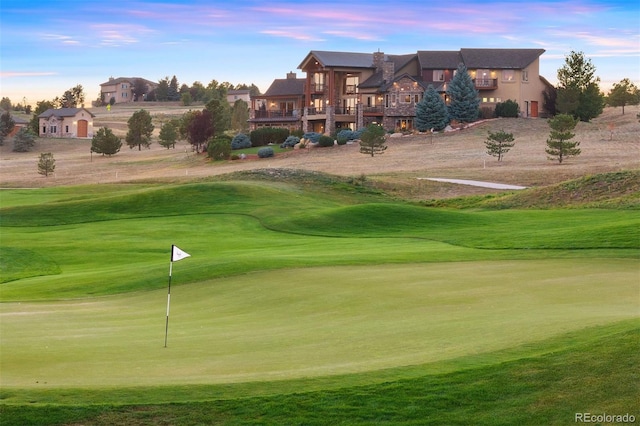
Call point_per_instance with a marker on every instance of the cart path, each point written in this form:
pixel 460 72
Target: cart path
pixel 476 183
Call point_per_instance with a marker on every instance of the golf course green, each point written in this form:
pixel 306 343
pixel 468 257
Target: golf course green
pixel 292 288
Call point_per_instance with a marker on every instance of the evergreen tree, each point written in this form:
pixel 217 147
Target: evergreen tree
pixel 6 125
pixel 105 142
pixel 173 93
pixel 140 129
pixel 169 134
pixel 559 144
pixel 578 91
pixel 46 164
pixel 431 112
pixel 465 100
pixel 372 140
pixel 24 140
pixel 623 93
pixel 240 116
pixel 220 115
pixel 162 91
pixel 499 143
pixel 34 123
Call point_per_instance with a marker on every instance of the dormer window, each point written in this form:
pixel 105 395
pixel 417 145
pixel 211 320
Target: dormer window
pixel 438 75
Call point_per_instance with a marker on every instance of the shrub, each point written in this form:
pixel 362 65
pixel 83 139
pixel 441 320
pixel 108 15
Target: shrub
pixel 325 141
pixel 313 137
pixel 265 152
pixel 290 142
pixel 268 135
pixel 219 148
pixel 240 141
pixel 345 135
pixel 508 108
pixel 24 140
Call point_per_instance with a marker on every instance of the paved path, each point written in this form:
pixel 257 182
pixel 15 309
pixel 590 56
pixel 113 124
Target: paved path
pixel 477 183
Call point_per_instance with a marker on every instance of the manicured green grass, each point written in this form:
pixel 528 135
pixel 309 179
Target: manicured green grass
pixel 323 305
pixel 593 370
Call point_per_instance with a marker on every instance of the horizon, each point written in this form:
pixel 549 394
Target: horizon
pixel 45 52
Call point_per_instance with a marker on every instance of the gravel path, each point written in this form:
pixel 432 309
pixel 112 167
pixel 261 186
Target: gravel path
pixel 476 183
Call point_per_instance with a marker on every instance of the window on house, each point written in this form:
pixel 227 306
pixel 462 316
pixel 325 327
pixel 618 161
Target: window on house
pixel 124 86
pixel 525 75
pixel 53 129
pixel 44 129
pixel 406 99
pixel 124 95
pixel 66 129
pixel 438 75
pixel 416 98
pixel 508 75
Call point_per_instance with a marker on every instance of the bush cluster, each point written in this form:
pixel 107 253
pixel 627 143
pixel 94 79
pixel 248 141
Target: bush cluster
pixel 325 141
pixel 508 108
pixel 346 135
pixel 266 152
pixel 313 137
pixel 268 135
pixel 240 141
pixel 290 142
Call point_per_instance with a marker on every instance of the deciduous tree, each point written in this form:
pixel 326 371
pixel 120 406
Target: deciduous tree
pixel 559 144
pixel 431 111
pixel 140 129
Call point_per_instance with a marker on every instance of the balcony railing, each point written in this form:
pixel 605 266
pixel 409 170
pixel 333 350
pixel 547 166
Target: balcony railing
pixel 277 114
pixel 350 89
pixel 373 110
pixel 486 83
pixel 318 87
pixel 346 110
pixel 316 111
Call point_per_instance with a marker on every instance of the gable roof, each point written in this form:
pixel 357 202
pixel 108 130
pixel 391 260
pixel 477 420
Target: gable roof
pixel 130 80
pixel 286 87
pixel 385 87
pixel 499 58
pixel 339 59
pixel 439 59
pixel 63 112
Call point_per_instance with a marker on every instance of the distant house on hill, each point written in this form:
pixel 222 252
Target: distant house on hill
pixel 66 123
pixel 234 95
pixel 123 89
pixel 18 122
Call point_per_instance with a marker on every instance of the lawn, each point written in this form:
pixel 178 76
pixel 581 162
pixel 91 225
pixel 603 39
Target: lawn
pixel 339 302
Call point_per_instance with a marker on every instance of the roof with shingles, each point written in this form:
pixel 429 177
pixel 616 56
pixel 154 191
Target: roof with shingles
pixel 63 112
pixel 130 80
pixel 499 58
pixel 286 87
pixel 439 59
pixel 340 59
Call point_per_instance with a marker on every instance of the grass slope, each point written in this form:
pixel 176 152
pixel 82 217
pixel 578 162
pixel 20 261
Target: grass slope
pixel 325 303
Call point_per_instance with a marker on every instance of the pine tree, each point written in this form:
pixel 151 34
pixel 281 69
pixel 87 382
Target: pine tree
pixel 623 93
pixel 169 134
pixel 465 100
pixel 6 126
pixel 372 140
pixel 105 142
pixel 46 164
pixel 24 140
pixel 499 143
pixel 578 91
pixel 140 129
pixel 431 112
pixel 559 144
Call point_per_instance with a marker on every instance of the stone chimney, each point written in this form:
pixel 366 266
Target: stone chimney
pixel 388 71
pixel 378 60
pixel 291 75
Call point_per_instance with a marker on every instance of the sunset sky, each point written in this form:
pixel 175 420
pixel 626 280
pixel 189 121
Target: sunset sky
pixel 49 47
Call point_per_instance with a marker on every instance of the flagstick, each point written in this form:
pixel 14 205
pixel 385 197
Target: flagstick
pixel 166 330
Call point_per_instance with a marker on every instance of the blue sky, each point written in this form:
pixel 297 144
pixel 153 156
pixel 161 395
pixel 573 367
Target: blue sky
pixel 49 47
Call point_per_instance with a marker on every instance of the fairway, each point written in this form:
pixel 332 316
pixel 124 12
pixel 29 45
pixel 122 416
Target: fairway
pixel 309 322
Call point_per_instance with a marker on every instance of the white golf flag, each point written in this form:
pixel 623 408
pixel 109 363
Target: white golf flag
pixel 177 254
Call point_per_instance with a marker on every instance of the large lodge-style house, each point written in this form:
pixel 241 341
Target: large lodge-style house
pixel 351 90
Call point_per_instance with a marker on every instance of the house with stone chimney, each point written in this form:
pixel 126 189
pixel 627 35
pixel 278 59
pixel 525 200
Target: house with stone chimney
pixel 280 106
pixel 351 90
